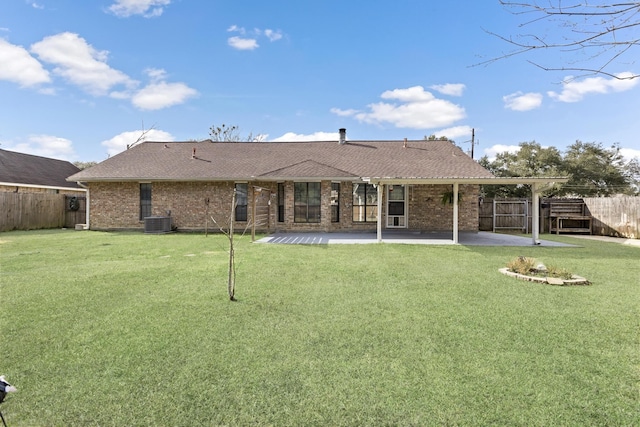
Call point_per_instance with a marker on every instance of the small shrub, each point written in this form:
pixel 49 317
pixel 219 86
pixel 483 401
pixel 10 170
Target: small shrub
pixel 559 272
pixel 522 265
pixel 528 267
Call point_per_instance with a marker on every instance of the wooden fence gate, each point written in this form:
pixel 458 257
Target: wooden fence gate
pixel 505 215
pixel 75 210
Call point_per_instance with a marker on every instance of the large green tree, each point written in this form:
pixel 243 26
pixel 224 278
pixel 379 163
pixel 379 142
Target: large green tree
pixel 530 160
pixel 592 169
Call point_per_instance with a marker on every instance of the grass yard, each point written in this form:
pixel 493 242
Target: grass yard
pixel 127 329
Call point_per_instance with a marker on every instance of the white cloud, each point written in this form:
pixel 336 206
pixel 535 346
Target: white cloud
pixel 519 101
pixel 417 109
pixel 159 94
pixel 499 148
pixel 156 96
pixel 86 67
pixel 146 8
pixel 453 89
pixel 36 5
pixel 272 35
pixel 235 28
pixel 630 153
pixel 455 132
pixel 120 142
pixel 79 63
pixel 250 42
pixel 46 146
pixel 317 136
pixel 156 74
pixel 243 43
pixel 17 65
pixel 344 113
pixel 574 90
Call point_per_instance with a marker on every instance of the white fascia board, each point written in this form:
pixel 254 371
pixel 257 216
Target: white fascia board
pixel 47 187
pixel 478 181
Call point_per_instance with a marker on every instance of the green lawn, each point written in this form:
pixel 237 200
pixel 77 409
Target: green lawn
pixel 127 329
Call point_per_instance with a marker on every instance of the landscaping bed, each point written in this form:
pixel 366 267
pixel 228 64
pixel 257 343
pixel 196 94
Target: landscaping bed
pixel 527 268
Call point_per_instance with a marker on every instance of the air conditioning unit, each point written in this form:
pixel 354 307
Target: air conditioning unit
pixel 157 224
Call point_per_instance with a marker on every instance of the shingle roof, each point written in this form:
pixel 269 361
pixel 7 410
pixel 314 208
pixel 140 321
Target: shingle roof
pixel 286 160
pixel 19 168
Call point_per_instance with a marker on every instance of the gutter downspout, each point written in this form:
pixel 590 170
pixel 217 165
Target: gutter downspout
pixel 86 205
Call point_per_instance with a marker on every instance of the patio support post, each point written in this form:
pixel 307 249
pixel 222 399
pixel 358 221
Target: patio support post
pixel 455 212
pixel 379 224
pixel 535 215
pixel 86 208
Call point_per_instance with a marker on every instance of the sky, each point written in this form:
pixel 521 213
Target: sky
pixel 81 80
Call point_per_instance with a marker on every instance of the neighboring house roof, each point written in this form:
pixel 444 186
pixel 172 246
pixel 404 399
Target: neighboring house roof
pixel 26 169
pixel 175 161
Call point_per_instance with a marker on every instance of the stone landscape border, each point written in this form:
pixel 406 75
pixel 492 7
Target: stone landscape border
pixel 557 281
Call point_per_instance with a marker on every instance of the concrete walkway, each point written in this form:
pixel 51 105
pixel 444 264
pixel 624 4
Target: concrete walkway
pixel 481 238
pixel 619 240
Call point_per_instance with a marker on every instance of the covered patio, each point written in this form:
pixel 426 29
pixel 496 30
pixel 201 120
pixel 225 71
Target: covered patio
pixel 481 238
pixel 536 184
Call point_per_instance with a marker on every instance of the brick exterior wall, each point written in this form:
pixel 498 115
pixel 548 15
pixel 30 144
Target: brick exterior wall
pixel 426 211
pixel 116 206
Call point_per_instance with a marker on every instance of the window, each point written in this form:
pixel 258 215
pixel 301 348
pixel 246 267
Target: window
pixel 335 202
pixel 365 203
pixel 306 199
pixel 280 202
pixel 145 201
pixel 241 202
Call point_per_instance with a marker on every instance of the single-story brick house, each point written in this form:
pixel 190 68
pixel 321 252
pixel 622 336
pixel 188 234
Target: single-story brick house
pixel 289 186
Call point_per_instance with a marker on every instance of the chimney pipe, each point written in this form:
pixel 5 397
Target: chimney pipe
pixel 193 154
pixel 343 136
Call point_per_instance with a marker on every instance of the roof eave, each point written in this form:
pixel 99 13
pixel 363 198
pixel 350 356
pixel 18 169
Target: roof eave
pixel 468 180
pixel 47 187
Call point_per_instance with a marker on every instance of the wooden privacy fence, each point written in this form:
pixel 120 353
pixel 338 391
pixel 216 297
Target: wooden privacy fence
pixel 27 211
pixel 615 216
pixel 611 216
pixel 30 211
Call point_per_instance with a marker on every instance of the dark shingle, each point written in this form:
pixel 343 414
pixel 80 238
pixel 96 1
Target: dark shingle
pixel 28 169
pixel 286 160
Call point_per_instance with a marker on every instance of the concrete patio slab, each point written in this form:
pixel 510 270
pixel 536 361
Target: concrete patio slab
pixel 481 238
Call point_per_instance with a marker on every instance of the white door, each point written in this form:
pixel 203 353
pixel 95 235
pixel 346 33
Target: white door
pixel 396 206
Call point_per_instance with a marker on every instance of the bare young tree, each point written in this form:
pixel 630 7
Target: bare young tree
pixel 229 232
pixel 226 133
pixel 142 137
pixel 604 32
